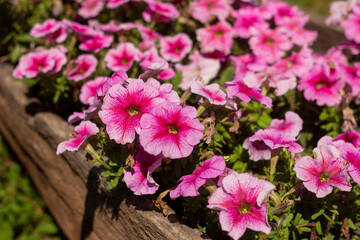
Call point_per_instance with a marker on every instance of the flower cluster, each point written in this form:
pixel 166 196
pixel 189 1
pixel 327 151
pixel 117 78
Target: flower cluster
pixel 192 97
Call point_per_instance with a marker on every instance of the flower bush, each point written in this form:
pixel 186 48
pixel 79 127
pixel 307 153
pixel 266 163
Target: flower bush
pixel 219 104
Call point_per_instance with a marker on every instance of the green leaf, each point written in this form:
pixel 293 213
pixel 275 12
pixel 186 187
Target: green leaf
pixel 318 228
pixel 351 224
pixel 288 219
pixel 48 228
pixel 6 232
pixel 297 219
pixel 316 215
pixel 227 75
pixel 264 120
pixel 113 183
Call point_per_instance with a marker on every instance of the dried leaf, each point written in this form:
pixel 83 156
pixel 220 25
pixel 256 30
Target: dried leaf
pixel 235 127
pixel 345 228
pixel 160 204
pixel 130 161
pixel 313 235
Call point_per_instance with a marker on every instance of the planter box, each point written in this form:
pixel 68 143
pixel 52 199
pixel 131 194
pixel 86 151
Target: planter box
pixel 69 184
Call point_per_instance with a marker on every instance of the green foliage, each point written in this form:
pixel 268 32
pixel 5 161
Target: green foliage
pixel 22 212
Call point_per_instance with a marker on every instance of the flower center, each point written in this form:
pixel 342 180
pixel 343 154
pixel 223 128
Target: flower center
pixel 290 64
pixel 244 208
pixel 173 129
pixel 178 49
pixel 218 33
pixel 210 6
pixel 124 61
pixel 133 110
pixel 269 41
pixel 324 177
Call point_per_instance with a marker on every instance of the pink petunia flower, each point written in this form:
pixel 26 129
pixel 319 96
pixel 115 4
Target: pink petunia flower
pixel 270 43
pixel 190 184
pixel 80 28
pixel 352 78
pixel 122 57
pixel 352 156
pixel 349 137
pixel 247 18
pixel 97 43
pixel 139 178
pixel 294 28
pixel 291 126
pixel 326 171
pixel 237 88
pixel 298 63
pixel 320 86
pixel 51 29
pixel 117 77
pixel 241 202
pixel 34 63
pixel 88 90
pixel 159 68
pixel 205 10
pixel 83 131
pixel 200 66
pixel 171 130
pixel 164 12
pixel 91 8
pixel 216 37
pixel 83 67
pixel 176 47
pixel 212 92
pixel 281 81
pixel 248 62
pixel 257 150
pixel 282 11
pixel 123 107
pixel 275 139
pixel 352 24
pixel 165 90
pixel 115 3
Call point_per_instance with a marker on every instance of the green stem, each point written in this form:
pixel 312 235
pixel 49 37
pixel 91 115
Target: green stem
pixel 273 162
pixel 89 149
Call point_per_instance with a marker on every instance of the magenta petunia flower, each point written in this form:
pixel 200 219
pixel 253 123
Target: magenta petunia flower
pixel 75 117
pixel 200 66
pixel 216 37
pixel 164 12
pixel 88 90
pixel 298 63
pixel 349 137
pixel 91 8
pixel 176 47
pixel 122 57
pixel 241 202
pixel 352 156
pixel 292 124
pixel 206 10
pixel 190 184
pixel 282 11
pixel 275 139
pixel 46 28
pixel 115 3
pixel 34 63
pixel 97 43
pixel 247 18
pixel 212 92
pixel 79 28
pixel 352 78
pixel 83 131
pixel 257 150
pixel 159 68
pixel 171 130
pixel 139 178
pixel 248 62
pixel 165 90
pixel 270 43
pixel 237 88
pixel 352 24
pixel 320 86
pixel 294 28
pixel 123 107
pixel 326 171
pixel 117 77
pixel 83 67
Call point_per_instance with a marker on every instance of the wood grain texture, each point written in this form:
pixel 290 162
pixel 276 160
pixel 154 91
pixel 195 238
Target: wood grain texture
pixel 69 184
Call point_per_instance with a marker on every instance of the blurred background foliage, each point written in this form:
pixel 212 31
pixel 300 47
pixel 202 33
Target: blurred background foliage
pixel 23 214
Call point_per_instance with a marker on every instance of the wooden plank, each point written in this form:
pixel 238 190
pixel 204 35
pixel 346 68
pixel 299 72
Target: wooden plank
pixel 69 184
